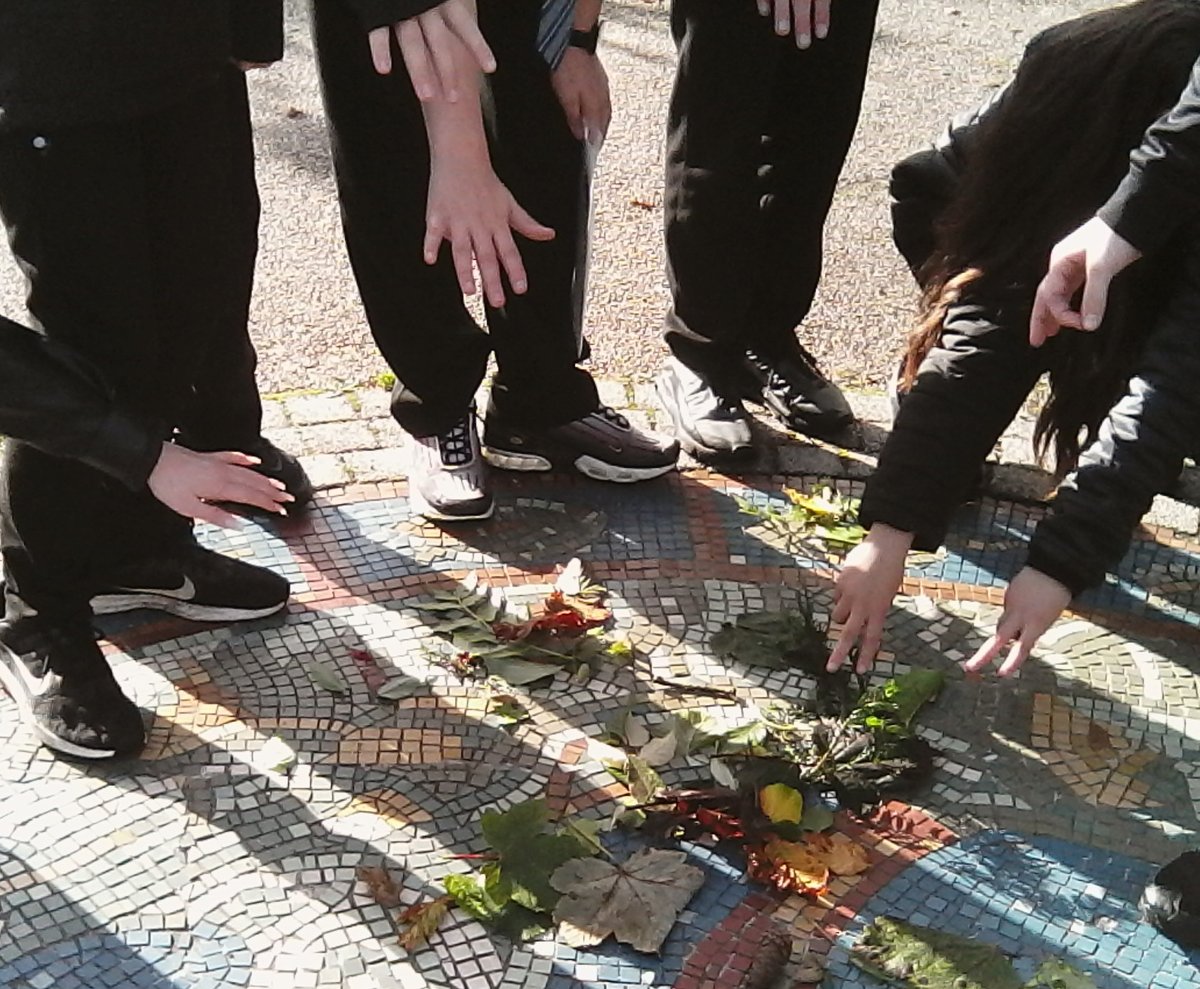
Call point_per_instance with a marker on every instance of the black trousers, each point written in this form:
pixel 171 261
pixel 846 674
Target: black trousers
pixel 416 311
pixel 130 236
pixel 758 132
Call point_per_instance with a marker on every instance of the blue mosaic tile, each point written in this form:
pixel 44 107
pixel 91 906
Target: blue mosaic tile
pixel 1034 898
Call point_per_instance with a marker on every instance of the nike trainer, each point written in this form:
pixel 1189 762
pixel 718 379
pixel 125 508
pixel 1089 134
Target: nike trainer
pixel 708 423
pixel 447 478
pixel 196 584
pixel 602 445
pixel 65 690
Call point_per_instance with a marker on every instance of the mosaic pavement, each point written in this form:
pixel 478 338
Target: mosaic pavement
pixel 194 867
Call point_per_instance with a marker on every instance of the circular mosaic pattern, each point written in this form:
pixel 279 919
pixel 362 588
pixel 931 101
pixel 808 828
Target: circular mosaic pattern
pixel 197 864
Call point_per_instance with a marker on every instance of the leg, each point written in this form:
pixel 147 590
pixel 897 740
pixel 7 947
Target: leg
pixel 381 155
pixel 538 158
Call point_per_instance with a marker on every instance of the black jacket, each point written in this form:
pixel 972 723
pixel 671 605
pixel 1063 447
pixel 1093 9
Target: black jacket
pixel 973 383
pixel 68 62
pixel 54 400
pixel 1161 193
pixel 377 13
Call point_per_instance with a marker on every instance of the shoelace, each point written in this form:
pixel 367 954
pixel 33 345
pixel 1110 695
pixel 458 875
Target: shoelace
pixel 454 445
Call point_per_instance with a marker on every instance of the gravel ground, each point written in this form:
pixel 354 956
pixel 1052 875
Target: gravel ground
pixel 930 61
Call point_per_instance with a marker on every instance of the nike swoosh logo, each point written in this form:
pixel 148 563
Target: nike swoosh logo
pixel 185 592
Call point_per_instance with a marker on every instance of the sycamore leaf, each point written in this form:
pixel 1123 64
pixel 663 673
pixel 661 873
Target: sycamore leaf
pixel 325 676
pixel 905 954
pixel 781 803
pixel 527 856
pixel 636 901
pixel 499 913
pixel 275 756
pixel 586 832
pixel 519 672
pixel 644 783
pixel 380 884
pixel 400 687
pixel 843 855
pixel 659 751
pixel 421 920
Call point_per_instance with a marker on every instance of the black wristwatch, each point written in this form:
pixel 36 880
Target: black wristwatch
pixel 586 39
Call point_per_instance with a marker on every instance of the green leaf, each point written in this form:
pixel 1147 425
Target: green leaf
pixel 453 624
pixel 505 709
pixel 620 652
pixel 817 817
pixel 915 689
pixel 644 783
pixel 439 604
pixel 325 676
pixel 519 672
pixel 399 687
pixel 586 832
pixel 1054 973
pixel 905 954
pixel 527 856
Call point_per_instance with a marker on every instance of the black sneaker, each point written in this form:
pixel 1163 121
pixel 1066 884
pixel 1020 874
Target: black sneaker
pixel 603 445
pixel 65 690
pixel 800 396
pixel 276 464
pixel 197 584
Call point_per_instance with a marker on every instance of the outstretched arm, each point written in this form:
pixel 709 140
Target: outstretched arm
pixel 468 205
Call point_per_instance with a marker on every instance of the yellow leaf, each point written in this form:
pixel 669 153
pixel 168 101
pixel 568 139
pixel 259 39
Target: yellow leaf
pixel 815 504
pixel 781 803
pixel 422 920
pixel 843 855
pixel 790 866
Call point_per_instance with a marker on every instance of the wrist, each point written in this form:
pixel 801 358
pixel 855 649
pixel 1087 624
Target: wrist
pixel 585 38
pixel 885 537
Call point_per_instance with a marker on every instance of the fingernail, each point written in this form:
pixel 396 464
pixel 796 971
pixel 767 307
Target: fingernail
pixel 1091 322
pixel 519 286
pixel 803 40
pixel 781 27
pixel 822 30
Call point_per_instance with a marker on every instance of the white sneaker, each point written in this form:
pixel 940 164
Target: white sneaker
pixel 447 478
pixel 707 423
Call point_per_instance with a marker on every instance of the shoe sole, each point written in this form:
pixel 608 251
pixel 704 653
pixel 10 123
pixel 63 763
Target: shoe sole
pixel 13 677
pixel 588 466
pixel 115 604
pixel 420 507
pixel 689 444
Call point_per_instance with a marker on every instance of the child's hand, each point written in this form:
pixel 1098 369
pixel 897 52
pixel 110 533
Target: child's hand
pixel 806 18
pixel 472 209
pixel 1032 604
pixel 427 45
pixel 188 482
pixel 865 588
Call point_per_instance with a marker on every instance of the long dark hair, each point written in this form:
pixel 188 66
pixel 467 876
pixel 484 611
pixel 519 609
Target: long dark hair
pixel 1040 165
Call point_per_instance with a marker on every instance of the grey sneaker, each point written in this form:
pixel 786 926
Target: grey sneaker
pixel 708 424
pixel 603 445
pixel 447 478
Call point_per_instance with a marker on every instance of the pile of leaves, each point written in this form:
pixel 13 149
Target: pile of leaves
pixel 536 875
pixel 817 525
pixel 907 955
pixel 523 645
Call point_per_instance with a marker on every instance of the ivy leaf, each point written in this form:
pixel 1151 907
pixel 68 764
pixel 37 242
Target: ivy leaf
pixel 519 672
pixel 421 920
pixel 325 676
pixel 380 884
pixel 636 901
pixel 781 804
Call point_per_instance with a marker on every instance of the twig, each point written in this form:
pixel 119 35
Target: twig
pixel 721 692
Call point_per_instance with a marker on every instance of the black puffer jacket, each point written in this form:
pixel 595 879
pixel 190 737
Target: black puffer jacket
pixel 974 382
pixel 67 62
pixel 54 400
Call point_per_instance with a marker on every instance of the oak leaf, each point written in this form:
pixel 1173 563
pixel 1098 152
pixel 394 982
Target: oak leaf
pixel 636 901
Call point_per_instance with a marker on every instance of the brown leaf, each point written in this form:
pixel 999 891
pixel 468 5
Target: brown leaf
pixel 422 920
pixel 595 614
pixel 1098 737
pixel 380 884
pixel 843 855
pixel 788 866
